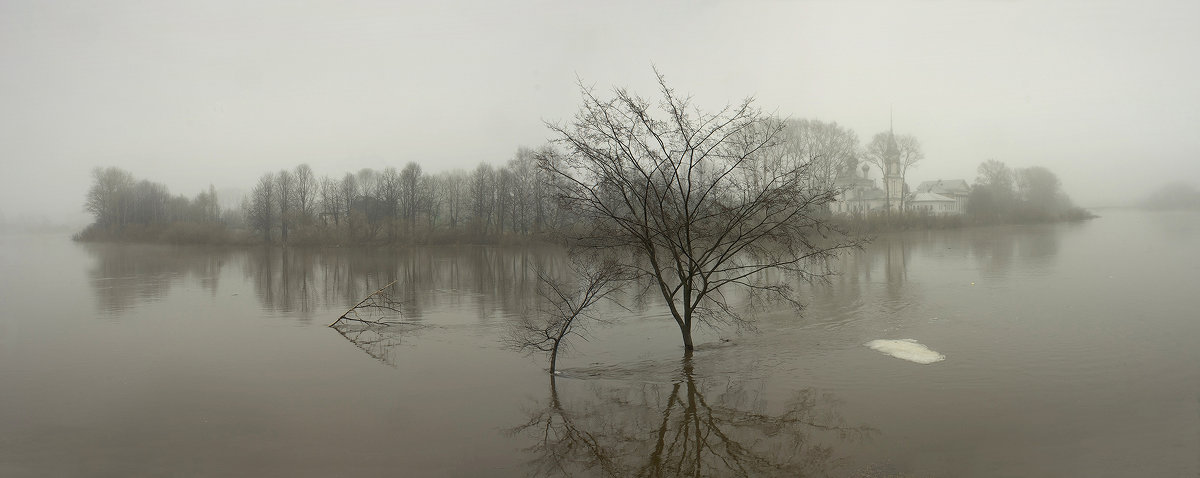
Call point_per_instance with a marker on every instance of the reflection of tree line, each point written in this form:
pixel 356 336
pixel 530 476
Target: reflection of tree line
pixel 877 279
pixel 494 278
pixel 696 425
pixel 123 276
pixel 305 281
pixel 691 427
pixel 992 250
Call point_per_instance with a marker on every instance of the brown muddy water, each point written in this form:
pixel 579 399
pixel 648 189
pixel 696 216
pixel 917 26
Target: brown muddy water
pixel 1070 350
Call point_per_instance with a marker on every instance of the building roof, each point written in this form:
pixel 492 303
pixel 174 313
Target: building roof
pixel 944 186
pixel 929 197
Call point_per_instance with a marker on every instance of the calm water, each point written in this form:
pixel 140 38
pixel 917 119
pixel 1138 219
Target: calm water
pixel 1071 350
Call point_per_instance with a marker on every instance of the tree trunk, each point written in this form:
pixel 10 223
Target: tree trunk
pixel 687 337
pixel 554 358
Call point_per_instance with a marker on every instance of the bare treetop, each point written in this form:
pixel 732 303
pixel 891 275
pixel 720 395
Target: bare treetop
pixel 699 202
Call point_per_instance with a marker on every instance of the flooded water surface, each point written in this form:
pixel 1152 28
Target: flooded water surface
pixel 1047 350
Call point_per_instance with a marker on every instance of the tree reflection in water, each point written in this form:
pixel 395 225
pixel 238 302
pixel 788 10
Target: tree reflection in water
pixel 495 280
pixel 690 427
pixel 378 340
pixel 124 276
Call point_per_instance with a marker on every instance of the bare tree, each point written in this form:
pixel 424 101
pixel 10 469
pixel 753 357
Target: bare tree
pixel 454 192
pixel 104 199
pixel 348 192
pixel 696 203
pixel 902 151
pixel 505 195
pixel 206 206
pixel 524 189
pixel 482 190
pixel 372 208
pixel 428 201
pixel 995 174
pixel 828 147
pixel 410 194
pixel 388 191
pixel 260 210
pixel 331 205
pixel 565 307
pixel 306 192
pixel 285 188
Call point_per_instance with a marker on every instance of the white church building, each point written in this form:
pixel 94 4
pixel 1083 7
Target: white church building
pixel 858 194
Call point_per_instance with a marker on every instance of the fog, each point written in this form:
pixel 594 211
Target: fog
pixel 220 92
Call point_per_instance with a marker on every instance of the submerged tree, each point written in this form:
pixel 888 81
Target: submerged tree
pixel 566 304
pixel 695 203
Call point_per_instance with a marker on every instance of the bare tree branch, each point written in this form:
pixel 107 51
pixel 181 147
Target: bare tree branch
pixel 695 202
pixel 375 301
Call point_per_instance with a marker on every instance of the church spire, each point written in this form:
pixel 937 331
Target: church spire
pixel 893 152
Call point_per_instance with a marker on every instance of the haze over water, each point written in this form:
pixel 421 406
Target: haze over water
pixel 1069 351
pixel 219 92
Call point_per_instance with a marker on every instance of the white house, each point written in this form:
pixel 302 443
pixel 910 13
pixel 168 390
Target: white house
pixel 932 203
pixel 955 190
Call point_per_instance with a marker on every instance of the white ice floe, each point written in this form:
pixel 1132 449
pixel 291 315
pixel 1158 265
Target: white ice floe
pixel 906 349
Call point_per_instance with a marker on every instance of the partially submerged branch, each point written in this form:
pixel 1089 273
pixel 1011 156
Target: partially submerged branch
pixel 377 301
pixel 376 331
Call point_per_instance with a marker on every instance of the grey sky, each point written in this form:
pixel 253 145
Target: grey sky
pixel 220 92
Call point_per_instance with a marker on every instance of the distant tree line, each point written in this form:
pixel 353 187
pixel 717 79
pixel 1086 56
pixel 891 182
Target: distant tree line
pixel 484 204
pixel 509 202
pixel 513 201
pixel 1034 194
pixel 131 209
pixel 294 206
pixel 1176 195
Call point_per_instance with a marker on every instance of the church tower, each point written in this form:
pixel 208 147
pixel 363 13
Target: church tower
pixel 893 181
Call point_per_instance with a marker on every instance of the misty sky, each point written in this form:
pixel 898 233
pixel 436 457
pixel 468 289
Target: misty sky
pixel 187 94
